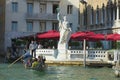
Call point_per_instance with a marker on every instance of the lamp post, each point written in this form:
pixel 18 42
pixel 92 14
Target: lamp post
pixel 85 21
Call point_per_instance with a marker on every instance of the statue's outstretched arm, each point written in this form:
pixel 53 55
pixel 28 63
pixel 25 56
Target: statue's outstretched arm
pixel 58 17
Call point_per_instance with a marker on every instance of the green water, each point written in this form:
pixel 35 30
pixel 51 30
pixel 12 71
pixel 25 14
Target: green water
pixel 17 72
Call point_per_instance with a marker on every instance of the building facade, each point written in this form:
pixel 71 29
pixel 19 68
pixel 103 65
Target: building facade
pixel 2 25
pixel 100 16
pixel 24 17
pixel 70 9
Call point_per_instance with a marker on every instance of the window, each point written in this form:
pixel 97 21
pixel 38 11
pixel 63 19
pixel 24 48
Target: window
pixel 85 17
pixel 14 7
pixel 29 26
pixel 103 14
pixel 92 16
pixel 55 26
pixel 114 12
pixel 42 8
pixel 29 8
pixel 1 10
pixel 97 16
pixel 0 23
pixel 71 25
pixel 55 6
pixel 112 8
pixel 42 26
pixel 69 9
pixel 108 13
pixel 14 25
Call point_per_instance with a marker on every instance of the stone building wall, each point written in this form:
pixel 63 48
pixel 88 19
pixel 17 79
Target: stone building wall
pixel 98 25
pixel 2 25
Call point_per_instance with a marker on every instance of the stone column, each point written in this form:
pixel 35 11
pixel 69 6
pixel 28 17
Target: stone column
pixel 117 21
pixel 117 13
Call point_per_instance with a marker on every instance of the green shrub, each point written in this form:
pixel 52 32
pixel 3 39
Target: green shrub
pixel 118 45
pixel 74 44
pixel 98 44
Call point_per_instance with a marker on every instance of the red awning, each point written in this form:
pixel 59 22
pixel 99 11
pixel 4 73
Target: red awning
pixel 113 36
pixel 52 34
pixel 82 35
pixel 97 37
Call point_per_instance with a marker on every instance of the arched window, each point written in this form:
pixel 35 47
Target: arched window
pixel 97 15
pixel 108 13
pixel 85 16
pixel 112 8
pixel 92 16
pixel 103 14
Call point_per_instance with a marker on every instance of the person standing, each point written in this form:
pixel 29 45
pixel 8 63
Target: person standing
pixel 31 48
pixel 40 46
pixel 35 47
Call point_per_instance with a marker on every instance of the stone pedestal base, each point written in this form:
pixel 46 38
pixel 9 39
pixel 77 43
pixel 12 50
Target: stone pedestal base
pixel 62 46
pixel 62 54
pixel 62 51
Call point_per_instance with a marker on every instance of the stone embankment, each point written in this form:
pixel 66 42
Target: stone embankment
pixel 80 63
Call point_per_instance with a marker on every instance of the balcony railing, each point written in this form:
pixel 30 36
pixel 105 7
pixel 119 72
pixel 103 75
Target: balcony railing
pixel 41 16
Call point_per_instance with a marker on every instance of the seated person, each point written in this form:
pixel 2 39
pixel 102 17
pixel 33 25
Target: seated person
pixel 35 63
pixel 41 61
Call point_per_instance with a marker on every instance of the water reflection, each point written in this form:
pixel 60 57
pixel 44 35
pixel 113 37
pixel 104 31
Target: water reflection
pixel 17 72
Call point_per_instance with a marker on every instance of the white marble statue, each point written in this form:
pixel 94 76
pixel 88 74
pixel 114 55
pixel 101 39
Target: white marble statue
pixel 65 33
pixel 64 28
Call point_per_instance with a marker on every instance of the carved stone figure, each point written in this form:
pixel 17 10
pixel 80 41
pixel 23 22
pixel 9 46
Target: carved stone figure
pixel 64 29
pixel 65 32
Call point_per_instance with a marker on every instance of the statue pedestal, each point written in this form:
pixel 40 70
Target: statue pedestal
pixel 62 51
pixel 62 54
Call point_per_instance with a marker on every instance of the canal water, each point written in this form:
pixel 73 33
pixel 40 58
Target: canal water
pixel 17 72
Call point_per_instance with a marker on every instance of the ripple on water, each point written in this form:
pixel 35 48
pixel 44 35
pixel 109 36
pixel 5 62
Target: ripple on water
pixel 17 72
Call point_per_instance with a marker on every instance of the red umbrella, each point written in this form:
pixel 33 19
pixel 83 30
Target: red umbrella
pixel 82 35
pixel 52 34
pixel 74 34
pixel 97 37
pixel 113 36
